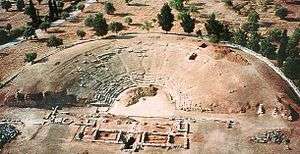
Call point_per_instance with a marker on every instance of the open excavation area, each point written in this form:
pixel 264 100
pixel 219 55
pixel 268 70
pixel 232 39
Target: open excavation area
pixel 146 93
pixel 149 76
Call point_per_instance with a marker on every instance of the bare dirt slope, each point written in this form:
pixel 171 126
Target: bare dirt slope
pixel 219 79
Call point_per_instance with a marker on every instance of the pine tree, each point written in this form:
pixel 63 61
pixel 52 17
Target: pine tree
pixel 29 32
pixel 115 27
pixel 165 18
pixel 100 25
pixel 292 48
pixel 281 12
pixel 109 8
pixel 240 38
pixel 20 5
pixel 281 56
pixel 291 68
pixel 188 24
pixel 177 4
pixel 253 42
pixel 32 12
pixel 267 49
pixel 6 4
pixel 252 22
pixel 216 29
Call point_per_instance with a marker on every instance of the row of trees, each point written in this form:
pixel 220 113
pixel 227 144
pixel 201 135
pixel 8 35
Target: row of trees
pixel 99 24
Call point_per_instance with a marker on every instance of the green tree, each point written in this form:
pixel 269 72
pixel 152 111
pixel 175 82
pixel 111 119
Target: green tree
pixel 240 37
pixel 81 33
pixel 282 55
pixel 296 34
pixel 109 8
pixel 187 23
pixel 4 37
pixel 275 34
pixel 6 4
pixel 30 57
pixel 54 41
pixel 116 27
pixel 147 26
pixel 45 25
pixel 80 6
pixel 31 11
pixel 89 21
pixel 291 68
pixel 218 29
pixel 253 17
pixel 267 49
pixel 99 24
pixel 20 5
pixel 281 12
pixel 292 47
pixel 166 18
pixel 253 42
pixel 29 32
pixel 177 4
pixel 252 22
pixel 128 20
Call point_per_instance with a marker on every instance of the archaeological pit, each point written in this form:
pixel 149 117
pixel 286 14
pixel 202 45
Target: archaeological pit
pixel 148 92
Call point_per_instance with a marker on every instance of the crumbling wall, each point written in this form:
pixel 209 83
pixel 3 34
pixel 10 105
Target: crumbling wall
pixel 140 92
pixel 46 99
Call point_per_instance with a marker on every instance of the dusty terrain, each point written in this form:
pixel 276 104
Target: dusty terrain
pixel 208 97
pixel 139 11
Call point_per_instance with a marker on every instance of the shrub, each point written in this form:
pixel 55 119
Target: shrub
pixel 65 15
pixel 20 5
pixel 281 12
pixel 30 57
pixel 45 25
pixel 199 33
pixel 116 27
pixel 176 4
pixel 80 33
pixel 29 32
pixel 80 6
pixel 128 20
pixel 17 32
pixel 109 8
pixel 89 21
pixel 193 8
pixel 54 41
pixel 147 26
